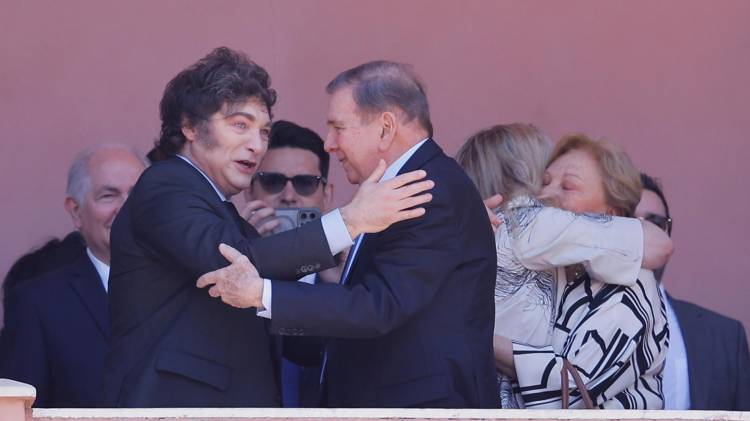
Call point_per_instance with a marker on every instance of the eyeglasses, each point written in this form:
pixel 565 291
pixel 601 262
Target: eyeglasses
pixel 663 222
pixel 304 184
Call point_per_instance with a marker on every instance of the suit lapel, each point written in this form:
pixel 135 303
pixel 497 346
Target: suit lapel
pixel 427 151
pixel 207 190
pixel 87 284
pixel 699 373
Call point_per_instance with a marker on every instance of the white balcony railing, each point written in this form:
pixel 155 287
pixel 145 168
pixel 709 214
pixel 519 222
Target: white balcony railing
pixel 16 399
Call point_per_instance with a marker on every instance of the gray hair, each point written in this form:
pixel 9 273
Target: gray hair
pixel 380 86
pixel 507 159
pixel 79 177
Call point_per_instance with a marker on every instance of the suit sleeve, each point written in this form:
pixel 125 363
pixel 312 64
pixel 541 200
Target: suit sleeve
pixel 611 248
pixel 176 221
pixel 742 396
pixel 410 264
pixel 22 349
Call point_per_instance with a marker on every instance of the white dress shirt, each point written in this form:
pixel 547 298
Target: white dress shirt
pixel 101 268
pixel 675 377
pixel 389 173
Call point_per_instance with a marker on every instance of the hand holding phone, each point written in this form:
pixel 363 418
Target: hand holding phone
pixel 261 216
pixel 290 218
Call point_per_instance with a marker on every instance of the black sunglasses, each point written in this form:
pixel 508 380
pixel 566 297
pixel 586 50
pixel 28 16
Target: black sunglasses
pixel 663 222
pixel 304 184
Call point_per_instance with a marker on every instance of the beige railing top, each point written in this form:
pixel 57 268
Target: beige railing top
pixel 278 414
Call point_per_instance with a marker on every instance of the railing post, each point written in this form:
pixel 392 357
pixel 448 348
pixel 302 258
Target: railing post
pixel 15 400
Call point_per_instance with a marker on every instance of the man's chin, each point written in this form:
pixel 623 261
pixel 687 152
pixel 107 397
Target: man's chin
pixel 239 184
pixel 353 178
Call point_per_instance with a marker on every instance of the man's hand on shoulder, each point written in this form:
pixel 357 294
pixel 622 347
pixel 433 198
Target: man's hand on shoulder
pixel 376 206
pixel 238 284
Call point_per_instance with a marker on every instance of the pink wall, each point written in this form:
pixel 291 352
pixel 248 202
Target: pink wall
pixel 670 80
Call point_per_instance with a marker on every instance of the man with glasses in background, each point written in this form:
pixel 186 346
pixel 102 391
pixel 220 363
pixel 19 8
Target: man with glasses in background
pixel 708 364
pixel 293 174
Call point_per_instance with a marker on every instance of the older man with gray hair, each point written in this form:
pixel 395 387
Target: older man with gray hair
pixel 411 321
pixel 57 325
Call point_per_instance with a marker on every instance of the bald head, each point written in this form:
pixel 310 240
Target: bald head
pixel 79 173
pixel 99 182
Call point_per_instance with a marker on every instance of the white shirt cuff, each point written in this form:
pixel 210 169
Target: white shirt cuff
pixel 265 299
pixel 336 233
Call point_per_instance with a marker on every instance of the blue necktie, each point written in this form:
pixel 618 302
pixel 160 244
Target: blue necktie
pixel 350 259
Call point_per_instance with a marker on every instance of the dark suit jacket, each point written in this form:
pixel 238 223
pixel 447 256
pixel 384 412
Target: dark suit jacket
pixel 413 326
pixel 300 369
pixel 718 358
pixel 172 344
pixel 52 255
pixel 55 335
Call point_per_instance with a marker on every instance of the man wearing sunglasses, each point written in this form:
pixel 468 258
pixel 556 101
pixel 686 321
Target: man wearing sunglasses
pixel 708 364
pixel 293 174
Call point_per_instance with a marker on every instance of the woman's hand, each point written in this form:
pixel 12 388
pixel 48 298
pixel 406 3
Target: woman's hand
pixel 657 246
pixel 491 203
pixel 503 348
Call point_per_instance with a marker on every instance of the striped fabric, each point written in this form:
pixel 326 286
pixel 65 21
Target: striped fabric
pixel 617 338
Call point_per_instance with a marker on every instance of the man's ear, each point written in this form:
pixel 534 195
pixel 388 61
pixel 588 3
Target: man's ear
pixel 189 131
pixel 388 130
pixel 74 210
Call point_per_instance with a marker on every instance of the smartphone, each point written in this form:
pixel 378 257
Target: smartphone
pixel 290 218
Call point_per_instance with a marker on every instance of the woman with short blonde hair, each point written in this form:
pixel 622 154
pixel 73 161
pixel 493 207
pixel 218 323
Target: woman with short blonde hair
pixel 506 159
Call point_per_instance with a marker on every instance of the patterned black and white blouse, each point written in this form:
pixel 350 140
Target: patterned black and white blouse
pixel 616 336
pixel 612 328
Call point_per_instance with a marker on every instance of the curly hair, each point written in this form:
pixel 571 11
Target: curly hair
pixel 224 76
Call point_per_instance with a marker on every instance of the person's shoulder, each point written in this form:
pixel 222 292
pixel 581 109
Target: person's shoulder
pixel 52 255
pixel 707 316
pixel 448 175
pixel 45 287
pixel 170 174
pixel 64 272
pixel 161 169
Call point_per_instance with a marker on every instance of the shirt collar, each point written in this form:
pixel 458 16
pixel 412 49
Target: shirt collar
pixel 101 268
pixel 396 166
pixel 216 189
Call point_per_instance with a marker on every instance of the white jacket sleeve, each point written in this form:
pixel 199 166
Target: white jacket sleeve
pixel 609 247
